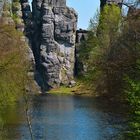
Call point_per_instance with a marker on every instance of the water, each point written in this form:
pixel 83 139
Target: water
pixel 56 117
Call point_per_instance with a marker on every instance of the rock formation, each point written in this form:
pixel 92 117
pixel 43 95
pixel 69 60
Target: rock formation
pixel 12 14
pixel 53 41
pixel 27 16
pixel 1 7
pixel 113 1
pixel 6 13
pixel 51 31
pixel 81 35
pixel 17 12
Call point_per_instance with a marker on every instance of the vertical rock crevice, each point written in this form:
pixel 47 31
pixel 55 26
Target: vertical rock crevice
pixel 28 32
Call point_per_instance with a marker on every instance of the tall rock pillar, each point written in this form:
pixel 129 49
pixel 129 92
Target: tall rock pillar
pixel 54 38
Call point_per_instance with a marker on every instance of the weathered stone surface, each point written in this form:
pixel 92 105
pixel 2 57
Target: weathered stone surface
pixel 56 3
pixel 72 83
pixel 27 17
pixel 81 35
pixel 55 31
pixel 1 7
pixel 17 12
pixel 114 1
pixel 5 13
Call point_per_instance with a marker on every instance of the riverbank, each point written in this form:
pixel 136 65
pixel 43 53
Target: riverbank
pixel 84 90
pixel 79 89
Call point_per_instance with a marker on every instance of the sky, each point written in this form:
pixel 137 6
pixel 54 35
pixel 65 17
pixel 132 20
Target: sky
pixel 85 9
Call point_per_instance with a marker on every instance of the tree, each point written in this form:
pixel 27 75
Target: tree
pixel 13 67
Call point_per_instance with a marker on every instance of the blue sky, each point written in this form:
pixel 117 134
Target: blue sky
pixel 85 9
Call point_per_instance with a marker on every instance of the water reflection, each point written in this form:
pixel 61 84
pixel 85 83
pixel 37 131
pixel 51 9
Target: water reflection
pixel 68 118
pixel 10 120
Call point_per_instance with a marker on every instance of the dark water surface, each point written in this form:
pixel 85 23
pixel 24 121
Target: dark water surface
pixel 56 117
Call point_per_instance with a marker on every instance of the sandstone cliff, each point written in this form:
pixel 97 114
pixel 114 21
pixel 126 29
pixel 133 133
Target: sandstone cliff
pixel 50 29
pixel 11 14
pixel 1 7
pixel 53 42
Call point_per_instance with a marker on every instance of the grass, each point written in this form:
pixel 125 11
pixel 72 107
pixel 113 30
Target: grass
pixel 79 89
pixel 61 90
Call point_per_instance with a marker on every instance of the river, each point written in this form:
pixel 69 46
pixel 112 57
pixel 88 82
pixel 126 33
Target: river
pixel 65 117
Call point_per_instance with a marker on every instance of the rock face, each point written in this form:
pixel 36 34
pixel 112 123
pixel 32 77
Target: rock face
pixel 27 17
pixel 80 67
pixel 1 7
pixel 113 1
pixel 54 41
pixel 28 30
pixel 13 13
pixel 17 12
pixel 6 13
pixel 81 35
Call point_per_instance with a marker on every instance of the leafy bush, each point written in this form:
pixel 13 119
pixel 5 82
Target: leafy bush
pixel 112 53
pixel 133 96
pixel 94 52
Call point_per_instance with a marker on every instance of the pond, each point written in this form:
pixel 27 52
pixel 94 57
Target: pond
pixel 60 117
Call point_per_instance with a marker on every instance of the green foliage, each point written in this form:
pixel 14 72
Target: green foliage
pixel 13 71
pixel 6 9
pixel 93 23
pixel 13 64
pixel 108 29
pixel 94 52
pixel 16 19
pixel 111 52
pixel 133 96
pixel 16 12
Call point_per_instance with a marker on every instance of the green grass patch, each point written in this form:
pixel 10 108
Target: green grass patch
pixel 62 90
pixel 79 89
